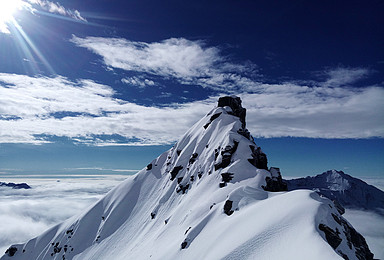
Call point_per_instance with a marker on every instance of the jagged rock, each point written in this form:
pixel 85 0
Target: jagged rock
pixel 235 104
pixel 344 256
pixel 187 230
pixel 276 182
pixel 182 188
pixel 11 251
pixel 217 153
pixel 225 178
pixel 193 158
pixel 184 245
pixel 149 167
pixel 245 133
pixel 211 119
pixel 226 156
pixel 362 251
pixel 153 215
pixel 259 159
pixel 336 218
pixel 338 206
pixel 228 207
pixel 331 236
pixel 175 171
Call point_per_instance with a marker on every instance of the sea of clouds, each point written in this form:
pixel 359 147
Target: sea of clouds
pixel 25 214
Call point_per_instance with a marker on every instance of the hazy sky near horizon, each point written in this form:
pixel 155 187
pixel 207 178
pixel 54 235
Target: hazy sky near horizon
pixel 105 86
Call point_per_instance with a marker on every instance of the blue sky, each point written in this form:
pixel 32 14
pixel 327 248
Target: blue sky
pixel 106 86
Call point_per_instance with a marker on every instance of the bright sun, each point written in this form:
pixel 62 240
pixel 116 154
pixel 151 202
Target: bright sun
pixel 7 10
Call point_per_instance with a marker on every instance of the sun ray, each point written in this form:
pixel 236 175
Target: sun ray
pixel 7 10
pixel 29 49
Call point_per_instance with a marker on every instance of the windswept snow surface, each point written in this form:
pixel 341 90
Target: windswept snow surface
pixel 182 207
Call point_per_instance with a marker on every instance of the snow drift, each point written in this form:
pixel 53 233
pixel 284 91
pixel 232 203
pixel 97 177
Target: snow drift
pixel 212 196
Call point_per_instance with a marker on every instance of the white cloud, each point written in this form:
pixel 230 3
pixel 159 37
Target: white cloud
pixel 316 112
pixel 369 224
pixel 57 8
pixel 344 76
pixel 139 82
pixel 189 62
pixel 28 213
pixel 195 63
pixel 32 108
pixel 176 57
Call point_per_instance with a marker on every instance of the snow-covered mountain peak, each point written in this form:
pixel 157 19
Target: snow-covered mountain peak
pixel 211 196
pixel 337 180
pixel 347 190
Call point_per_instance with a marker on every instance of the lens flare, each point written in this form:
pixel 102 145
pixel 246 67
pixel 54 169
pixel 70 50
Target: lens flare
pixel 7 10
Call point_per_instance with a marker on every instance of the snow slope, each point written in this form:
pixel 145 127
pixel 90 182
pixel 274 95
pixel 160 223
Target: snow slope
pixel 348 191
pixel 203 199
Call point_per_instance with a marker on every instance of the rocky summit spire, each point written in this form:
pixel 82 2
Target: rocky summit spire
pixel 235 104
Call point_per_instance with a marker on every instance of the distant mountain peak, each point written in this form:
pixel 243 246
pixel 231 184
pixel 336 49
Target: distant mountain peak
pixel 350 192
pixel 15 185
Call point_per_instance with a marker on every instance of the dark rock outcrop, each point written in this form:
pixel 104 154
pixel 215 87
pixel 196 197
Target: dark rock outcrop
pixel 354 238
pixel 228 207
pixel 175 171
pixel 226 155
pixel 182 188
pixel 211 119
pixel 193 158
pixel 11 251
pixel 259 159
pixel 331 236
pixel 276 182
pixel 225 178
pixel 184 245
pixel 15 185
pixel 235 104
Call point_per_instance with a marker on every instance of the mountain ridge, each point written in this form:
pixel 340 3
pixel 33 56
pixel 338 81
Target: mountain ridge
pixel 211 196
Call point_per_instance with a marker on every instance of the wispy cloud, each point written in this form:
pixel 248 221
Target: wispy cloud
pixel 138 81
pixel 56 8
pixel 99 169
pixel 196 63
pixel 35 108
pixel 84 110
pixel 343 76
pixel 189 62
